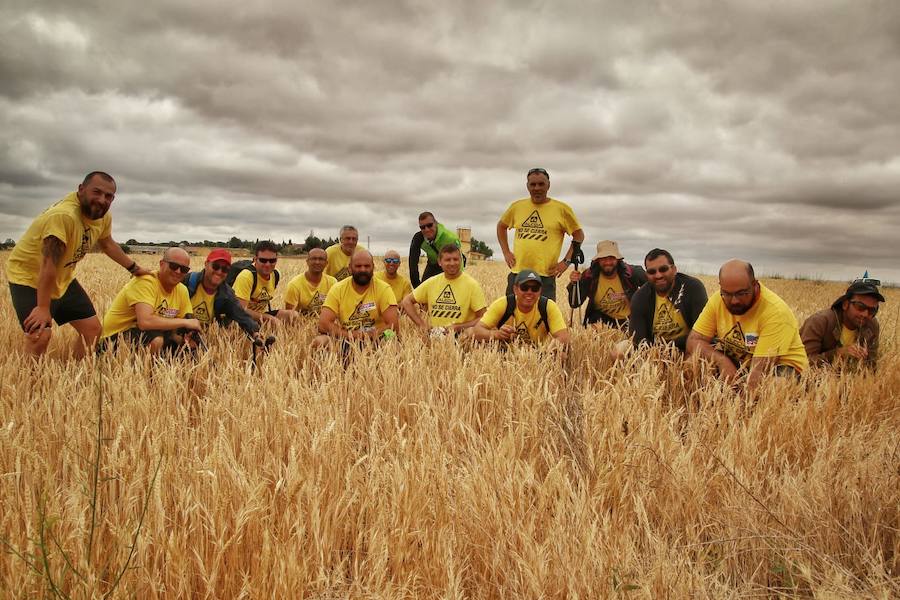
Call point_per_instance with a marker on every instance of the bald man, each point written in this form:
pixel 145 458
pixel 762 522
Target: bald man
pixel 150 308
pixel 306 292
pixel 400 285
pixel 746 329
pixel 359 308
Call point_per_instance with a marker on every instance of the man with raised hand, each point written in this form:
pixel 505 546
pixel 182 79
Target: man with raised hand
pixel 453 300
pixel 430 239
pixel 359 308
pixel 255 286
pixel 608 286
pixel 306 292
pixel 847 332
pixel 41 267
pixel 150 309
pixel 665 308
pixel 541 223
pixel 525 315
pixel 746 329
pixel 213 300
pixel 339 254
pixel 399 284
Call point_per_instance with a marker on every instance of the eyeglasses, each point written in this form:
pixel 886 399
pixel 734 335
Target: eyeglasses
pixel 662 269
pixel 220 267
pixel 392 261
pixel 270 261
pixel 426 226
pixel 739 294
pixel 539 170
pixel 863 307
pixel 530 287
pixel 183 269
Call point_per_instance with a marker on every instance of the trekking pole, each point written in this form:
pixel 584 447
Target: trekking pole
pixel 576 259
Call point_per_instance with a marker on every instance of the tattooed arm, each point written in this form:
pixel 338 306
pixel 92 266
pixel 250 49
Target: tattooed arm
pixel 51 254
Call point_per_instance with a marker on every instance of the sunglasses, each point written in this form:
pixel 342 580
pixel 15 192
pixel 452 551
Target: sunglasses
pixel 392 261
pixel 539 170
pixel 426 226
pixel 662 269
pixel 220 267
pixel 183 269
pixel 530 287
pixel 863 307
pixel 270 261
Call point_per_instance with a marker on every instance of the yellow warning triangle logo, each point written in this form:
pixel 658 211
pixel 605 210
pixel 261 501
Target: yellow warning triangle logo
pixel 447 296
pixel 533 220
pixel 736 336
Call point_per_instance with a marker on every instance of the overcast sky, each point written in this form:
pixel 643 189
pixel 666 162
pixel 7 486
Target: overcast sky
pixel 763 130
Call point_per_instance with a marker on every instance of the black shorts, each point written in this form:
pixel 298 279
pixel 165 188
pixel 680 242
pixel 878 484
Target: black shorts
pixel 73 305
pixel 136 337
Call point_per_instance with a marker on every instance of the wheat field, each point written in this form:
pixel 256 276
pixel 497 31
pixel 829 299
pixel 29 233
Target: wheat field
pixel 440 471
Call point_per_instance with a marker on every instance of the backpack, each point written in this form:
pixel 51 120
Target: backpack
pixel 246 265
pixel 511 308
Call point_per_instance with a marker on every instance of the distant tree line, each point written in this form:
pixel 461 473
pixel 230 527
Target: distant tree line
pixel 285 247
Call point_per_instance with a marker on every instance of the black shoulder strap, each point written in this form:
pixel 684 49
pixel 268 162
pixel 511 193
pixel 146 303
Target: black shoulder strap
pixel 510 309
pixel 542 308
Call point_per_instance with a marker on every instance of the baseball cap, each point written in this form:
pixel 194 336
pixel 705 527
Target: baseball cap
pixel 864 288
pixel 219 254
pixel 527 275
pixel 607 248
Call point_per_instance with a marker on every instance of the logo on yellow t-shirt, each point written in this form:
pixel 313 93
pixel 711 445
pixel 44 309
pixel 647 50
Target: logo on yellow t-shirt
pixel 360 319
pixel 532 228
pixel 612 302
pixel 665 325
pixel 315 304
pixel 738 345
pixel 201 313
pixel 261 302
pixel 523 335
pixel 342 274
pixel 446 307
pixel 82 249
pixel 163 310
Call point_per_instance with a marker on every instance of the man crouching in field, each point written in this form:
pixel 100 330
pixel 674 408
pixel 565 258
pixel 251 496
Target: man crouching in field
pixel 41 268
pixel 150 308
pixel 359 308
pixel 524 315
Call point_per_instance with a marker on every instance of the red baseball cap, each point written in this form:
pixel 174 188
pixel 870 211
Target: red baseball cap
pixel 219 254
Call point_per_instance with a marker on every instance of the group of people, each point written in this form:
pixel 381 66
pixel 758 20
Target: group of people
pixel 745 330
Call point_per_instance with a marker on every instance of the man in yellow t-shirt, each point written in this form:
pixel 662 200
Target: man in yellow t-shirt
pixel 339 254
pixel 400 285
pixel 306 292
pixel 150 308
pixel 608 286
pixel 359 308
pixel 747 328
pixel 41 268
pixel 526 323
pixel 541 223
pixel 255 287
pixel 453 300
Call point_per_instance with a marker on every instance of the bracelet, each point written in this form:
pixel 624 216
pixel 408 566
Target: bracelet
pixel 132 267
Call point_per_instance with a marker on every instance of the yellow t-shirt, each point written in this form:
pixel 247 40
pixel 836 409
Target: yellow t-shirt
pixel 668 322
pixel 145 289
pixel 265 290
pixel 360 311
pixel 64 221
pixel 526 324
pixel 610 298
pixel 339 263
pixel 203 305
pixel 540 229
pixel 768 329
pixel 848 336
pixel 400 285
pixel 306 297
pixel 450 301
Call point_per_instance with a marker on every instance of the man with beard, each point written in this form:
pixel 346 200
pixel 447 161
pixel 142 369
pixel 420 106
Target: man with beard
pixel 665 308
pixel 399 284
pixel 847 332
pixel 150 309
pixel 213 300
pixel 41 268
pixel 359 308
pixel 746 329
pixel 339 254
pixel 255 286
pixel 453 300
pixel 430 239
pixel 608 285
pixel 306 292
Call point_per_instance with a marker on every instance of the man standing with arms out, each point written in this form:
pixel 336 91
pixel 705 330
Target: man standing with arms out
pixel 608 286
pixel 527 316
pixel 541 223
pixel 453 300
pixel 431 238
pixel 339 254
pixel 213 300
pixel 359 308
pixel 150 308
pixel 306 292
pixel 399 284
pixel 255 286
pixel 665 308
pixel 747 328
pixel 848 331
pixel 41 268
